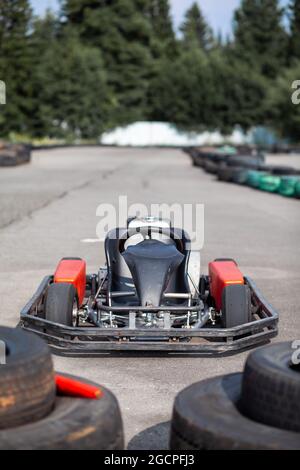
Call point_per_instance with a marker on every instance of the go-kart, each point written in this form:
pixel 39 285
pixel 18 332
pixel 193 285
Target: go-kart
pixel 150 296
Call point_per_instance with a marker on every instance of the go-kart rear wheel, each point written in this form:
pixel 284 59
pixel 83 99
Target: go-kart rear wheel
pixel 236 306
pixel 61 305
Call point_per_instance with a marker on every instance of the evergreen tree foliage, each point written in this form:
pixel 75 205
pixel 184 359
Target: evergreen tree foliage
pixel 15 64
pixel 294 49
pixel 283 111
pixel 180 91
pixel 101 63
pixel 73 99
pixel 162 32
pixel 196 31
pixel 120 30
pixel 260 39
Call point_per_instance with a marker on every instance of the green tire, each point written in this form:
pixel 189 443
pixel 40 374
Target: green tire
pixel 288 186
pixel 269 183
pixel 253 178
pixel 297 190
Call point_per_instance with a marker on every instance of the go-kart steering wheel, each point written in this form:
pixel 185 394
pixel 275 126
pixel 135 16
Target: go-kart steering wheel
pixel 146 231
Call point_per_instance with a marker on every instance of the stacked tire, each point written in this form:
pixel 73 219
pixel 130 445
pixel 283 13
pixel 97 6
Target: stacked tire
pixel 288 186
pixel 208 158
pixel 247 169
pixel 33 417
pixel 280 170
pixel 250 162
pixel 239 175
pixel 297 189
pixel 225 173
pixel 255 410
pixel 237 167
pixel 14 155
pixel 269 183
pixel 211 166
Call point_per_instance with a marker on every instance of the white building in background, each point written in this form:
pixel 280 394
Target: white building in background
pixel 144 134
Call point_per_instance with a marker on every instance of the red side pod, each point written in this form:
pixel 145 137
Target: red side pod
pixel 72 271
pixel 222 274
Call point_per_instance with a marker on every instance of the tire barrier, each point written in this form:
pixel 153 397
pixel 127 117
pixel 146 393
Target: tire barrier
pixel 288 186
pixel 250 162
pixel 271 388
pixel 247 168
pixel 239 175
pixel 27 388
pixel 14 155
pixel 224 173
pixel 280 170
pixel 34 417
pixel 269 183
pixel 297 190
pixel 253 178
pixel 255 410
pixel 211 167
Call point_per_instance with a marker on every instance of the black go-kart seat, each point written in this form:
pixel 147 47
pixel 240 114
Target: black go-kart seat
pixel 152 264
pixel 120 278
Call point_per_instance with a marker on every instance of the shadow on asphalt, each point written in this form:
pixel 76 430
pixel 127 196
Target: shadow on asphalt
pixel 154 438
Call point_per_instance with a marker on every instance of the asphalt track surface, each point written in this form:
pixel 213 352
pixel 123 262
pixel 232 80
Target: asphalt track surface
pixel 48 208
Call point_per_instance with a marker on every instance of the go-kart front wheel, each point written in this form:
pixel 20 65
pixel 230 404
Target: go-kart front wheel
pixel 61 305
pixel 236 306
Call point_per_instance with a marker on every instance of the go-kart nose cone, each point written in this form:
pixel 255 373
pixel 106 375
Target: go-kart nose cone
pixel 151 264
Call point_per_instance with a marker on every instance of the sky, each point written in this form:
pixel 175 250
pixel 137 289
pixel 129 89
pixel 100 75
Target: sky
pixel 218 13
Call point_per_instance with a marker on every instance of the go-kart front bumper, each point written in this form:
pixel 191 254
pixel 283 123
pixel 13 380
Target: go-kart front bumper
pixel 95 341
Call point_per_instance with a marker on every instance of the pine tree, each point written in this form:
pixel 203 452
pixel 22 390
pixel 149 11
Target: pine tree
pixel 44 37
pixel 163 47
pixel 196 31
pixel 45 30
pixel 163 36
pixel 260 38
pixel 120 30
pixel 15 64
pixel 73 99
pixel 284 114
pixel 182 93
pixel 294 49
pixel 238 92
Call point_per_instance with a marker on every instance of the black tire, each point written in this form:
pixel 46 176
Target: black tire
pixel 59 304
pixel 297 190
pixel 284 171
pixel 211 167
pixel 15 155
pixel 198 161
pixel 8 161
pixel 74 424
pixel 224 173
pixel 221 159
pixel 206 417
pixel 280 170
pixel 27 386
pixel 271 388
pixel 236 306
pixel 249 162
pixel 239 175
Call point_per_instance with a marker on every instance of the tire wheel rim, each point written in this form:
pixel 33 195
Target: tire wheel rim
pixel 75 313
